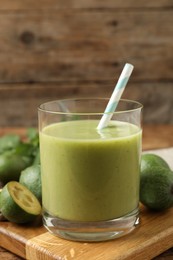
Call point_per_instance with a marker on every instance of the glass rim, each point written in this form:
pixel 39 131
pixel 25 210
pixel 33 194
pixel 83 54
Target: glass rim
pixel 50 111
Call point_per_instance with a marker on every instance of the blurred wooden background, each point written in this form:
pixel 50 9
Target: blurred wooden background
pixel 51 49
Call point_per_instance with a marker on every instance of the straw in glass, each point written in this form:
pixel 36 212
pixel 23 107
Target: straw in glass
pixel 116 95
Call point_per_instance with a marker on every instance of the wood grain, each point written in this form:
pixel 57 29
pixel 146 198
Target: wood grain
pixel 19 102
pixel 157 136
pixel 78 48
pixel 29 5
pixel 5 255
pixel 84 45
pixel 14 237
pixel 59 49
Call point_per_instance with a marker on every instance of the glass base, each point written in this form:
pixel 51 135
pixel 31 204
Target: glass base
pixel 91 231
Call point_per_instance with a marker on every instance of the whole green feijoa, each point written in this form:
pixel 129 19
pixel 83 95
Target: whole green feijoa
pixel 31 178
pixel 150 160
pixel 156 188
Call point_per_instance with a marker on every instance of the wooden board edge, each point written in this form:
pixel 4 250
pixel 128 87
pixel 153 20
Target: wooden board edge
pixel 13 242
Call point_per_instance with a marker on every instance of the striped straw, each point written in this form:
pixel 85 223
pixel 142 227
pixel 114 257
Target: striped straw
pixel 116 95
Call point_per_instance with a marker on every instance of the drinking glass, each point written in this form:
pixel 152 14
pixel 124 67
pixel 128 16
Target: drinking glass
pixel 90 177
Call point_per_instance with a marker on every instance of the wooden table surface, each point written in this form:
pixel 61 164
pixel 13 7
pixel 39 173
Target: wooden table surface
pixel 154 137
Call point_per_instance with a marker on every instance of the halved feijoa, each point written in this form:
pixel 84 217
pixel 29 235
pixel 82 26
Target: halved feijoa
pixel 18 203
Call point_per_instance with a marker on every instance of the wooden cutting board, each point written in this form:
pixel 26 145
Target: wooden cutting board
pixel 153 236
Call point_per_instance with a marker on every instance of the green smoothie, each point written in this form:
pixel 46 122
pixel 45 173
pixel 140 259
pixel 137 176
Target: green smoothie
pixel 90 175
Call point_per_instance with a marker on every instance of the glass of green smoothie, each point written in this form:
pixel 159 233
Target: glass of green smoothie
pixel 90 177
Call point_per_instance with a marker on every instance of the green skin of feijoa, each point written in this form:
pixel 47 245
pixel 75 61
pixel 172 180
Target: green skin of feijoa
pixel 156 188
pixel 150 160
pixel 31 178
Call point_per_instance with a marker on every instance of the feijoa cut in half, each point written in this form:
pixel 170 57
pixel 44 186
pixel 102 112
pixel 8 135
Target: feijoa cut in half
pixel 18 203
